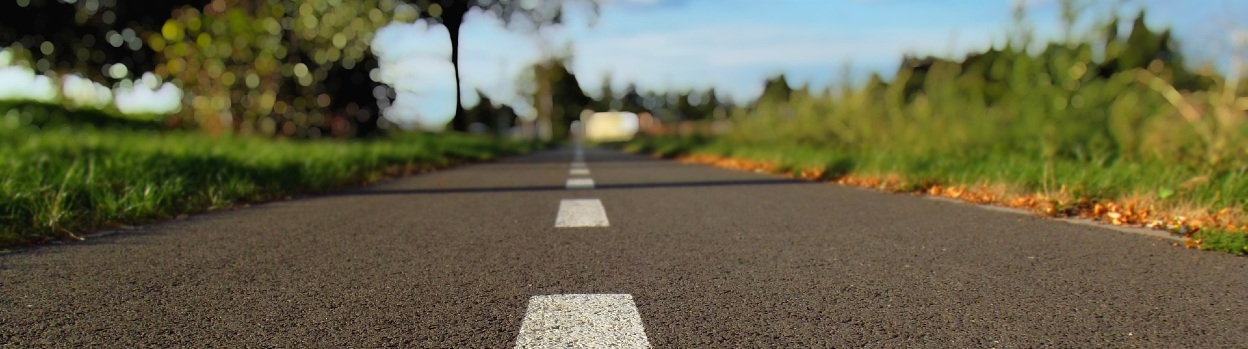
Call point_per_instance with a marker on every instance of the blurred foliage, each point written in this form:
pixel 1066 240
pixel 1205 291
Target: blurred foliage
pixel 298 68
pixel 529 14
pixel 1097 100
pixel 289 68
pixel 85 36
pixel 556 94
pixel 1117 127
pixel 59 182
pixel 490 116
pixel 559 99
pixel 265 65
pixel 34 116
pixel 670 106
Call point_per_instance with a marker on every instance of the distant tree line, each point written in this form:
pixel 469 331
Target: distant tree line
pixel 291 68
pixel 303 68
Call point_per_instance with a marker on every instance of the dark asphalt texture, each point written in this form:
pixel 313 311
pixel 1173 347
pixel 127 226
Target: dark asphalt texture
pixel 713 259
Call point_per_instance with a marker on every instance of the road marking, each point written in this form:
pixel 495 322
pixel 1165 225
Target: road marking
pixel 580 183
pixel 582 321
pixel 581 213
pixel 579 164
pixel 579 172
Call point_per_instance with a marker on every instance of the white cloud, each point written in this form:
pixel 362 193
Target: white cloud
pixel 415 60
pixel 397 41
pixel 82 92
pixel 724 55
pixel 19 83
pixel 425 92
pixel 145 97
pixel 493 57
pixel 429 110
pixel 731 52
pixel 418 74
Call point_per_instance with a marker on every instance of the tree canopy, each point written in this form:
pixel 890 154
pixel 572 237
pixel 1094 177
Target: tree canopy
pixel 451 13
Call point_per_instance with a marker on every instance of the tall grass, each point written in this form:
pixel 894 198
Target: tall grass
pixel 59 183
pixel 1105 118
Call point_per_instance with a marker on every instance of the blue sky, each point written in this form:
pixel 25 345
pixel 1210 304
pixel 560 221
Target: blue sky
pixel 734 45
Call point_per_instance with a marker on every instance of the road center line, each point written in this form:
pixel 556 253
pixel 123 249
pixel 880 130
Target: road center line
pixel 579 172
pixel 582 321
pixel 581 213
pixel 580 183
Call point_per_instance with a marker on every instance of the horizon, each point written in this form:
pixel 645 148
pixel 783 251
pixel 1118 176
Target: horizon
pixel 734 46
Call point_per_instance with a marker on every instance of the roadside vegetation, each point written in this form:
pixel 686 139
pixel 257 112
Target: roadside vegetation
pixel 1109 125
pixel 129 114
pixel 62 177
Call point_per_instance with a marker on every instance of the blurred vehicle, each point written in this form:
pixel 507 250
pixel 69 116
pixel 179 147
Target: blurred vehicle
pixel 610 126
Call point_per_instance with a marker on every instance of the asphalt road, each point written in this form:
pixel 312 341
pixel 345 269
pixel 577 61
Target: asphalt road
pixel 684 256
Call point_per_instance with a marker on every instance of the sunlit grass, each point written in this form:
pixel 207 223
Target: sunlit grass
pixel 1131 134
pixel 1169 188
pixel 59 183
pixel 1108 180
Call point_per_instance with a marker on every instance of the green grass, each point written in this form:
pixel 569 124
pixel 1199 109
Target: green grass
pixel 1064 123
pixel 1163 182
pixel 1159 182
pixel 1222 241
pixel 61 183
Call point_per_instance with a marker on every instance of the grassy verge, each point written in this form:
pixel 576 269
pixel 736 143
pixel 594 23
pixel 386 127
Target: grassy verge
pixel 1117 128
pixel 59 183
pixel 1210 210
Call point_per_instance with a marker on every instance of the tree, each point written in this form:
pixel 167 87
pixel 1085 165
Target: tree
pixel 606 100
pixel 1021 32
pixel 451 14
pixel 776 89
pixel 710 103
pixel 353 108
pixel 657 104
pixel 685 109
pixel 82 38
pixel 556 94
pixel 632 100
pixel 1070 10
pixel 273 66
pixel 496 117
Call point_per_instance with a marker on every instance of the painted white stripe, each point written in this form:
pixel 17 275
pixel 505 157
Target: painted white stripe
pixel 582 321
pixel 581 213
pixel 579 164
pixel 579 172
pixel 580 183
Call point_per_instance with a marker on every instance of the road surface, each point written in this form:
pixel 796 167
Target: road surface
pixel 619 250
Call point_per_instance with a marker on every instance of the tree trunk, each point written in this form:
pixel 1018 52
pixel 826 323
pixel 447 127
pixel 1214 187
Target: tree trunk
pixel 460 121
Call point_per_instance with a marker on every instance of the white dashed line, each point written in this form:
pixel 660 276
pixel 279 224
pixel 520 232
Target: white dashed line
pixel 580 183
pixel 581 213
pixel 579 164
pixel 578 172
pixel 582 321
